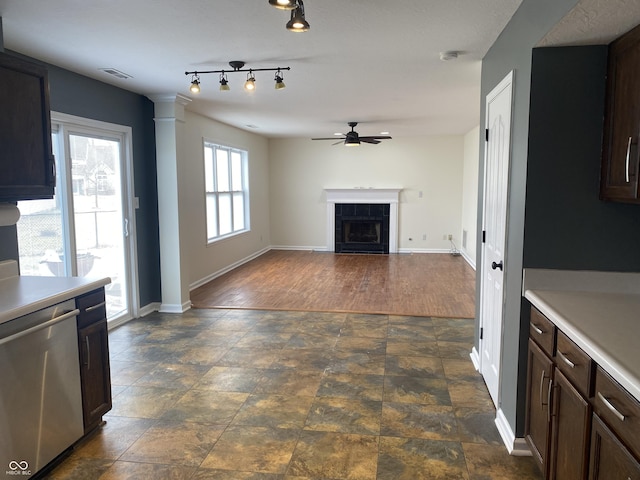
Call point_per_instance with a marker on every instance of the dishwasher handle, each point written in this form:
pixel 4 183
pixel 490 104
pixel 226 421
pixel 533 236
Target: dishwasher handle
pixel 48 323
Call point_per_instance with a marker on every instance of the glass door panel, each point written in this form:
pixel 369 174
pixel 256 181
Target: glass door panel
pixel 83 230
pixel 98 215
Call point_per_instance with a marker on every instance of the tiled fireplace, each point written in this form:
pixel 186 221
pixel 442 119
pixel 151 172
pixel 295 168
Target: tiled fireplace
pixel 362 220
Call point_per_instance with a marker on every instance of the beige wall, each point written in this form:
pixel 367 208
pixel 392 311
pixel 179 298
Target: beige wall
pixel 205 260
pixel 300 170
pixel 470 194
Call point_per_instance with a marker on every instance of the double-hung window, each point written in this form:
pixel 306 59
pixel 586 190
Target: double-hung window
pixel 226 190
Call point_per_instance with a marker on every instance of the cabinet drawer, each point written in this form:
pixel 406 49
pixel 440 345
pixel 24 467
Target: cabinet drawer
pixel 92 307
pixel 619 410
pixel 609 458
pixel 574 363
pixel 542 331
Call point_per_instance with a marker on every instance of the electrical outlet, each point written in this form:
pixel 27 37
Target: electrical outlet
pixel 450 237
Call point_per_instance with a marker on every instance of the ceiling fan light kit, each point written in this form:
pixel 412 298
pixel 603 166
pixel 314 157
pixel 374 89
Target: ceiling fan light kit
pixel 236 66
pixel 352 139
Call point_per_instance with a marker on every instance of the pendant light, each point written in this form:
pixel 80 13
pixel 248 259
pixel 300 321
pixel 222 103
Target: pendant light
pixel 250 84
pixel 279 80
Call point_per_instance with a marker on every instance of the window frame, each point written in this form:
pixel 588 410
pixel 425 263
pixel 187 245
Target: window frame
pixel 212 191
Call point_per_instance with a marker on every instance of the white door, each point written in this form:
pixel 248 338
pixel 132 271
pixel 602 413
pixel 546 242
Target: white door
pixel 496 184
pixel 86 229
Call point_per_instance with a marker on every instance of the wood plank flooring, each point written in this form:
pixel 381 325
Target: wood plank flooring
pixel 434 285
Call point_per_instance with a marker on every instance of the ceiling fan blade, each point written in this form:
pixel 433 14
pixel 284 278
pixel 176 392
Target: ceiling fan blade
pixel 338 143
pixel 369 140
pixel 377 137
pixel 328 138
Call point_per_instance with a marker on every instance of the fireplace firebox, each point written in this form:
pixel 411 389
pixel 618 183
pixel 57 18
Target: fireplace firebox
pixel 362 228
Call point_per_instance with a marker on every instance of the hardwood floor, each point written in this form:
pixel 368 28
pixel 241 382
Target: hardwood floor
pixel 433 285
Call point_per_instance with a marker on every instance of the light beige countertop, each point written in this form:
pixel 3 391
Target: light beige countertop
pixel 23 295
pixel 598 311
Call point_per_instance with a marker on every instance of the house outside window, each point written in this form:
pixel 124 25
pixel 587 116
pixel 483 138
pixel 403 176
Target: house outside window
pixel 226 191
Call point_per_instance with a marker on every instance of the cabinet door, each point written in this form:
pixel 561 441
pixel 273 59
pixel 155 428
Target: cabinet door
pixel 609 458
pixel 27 167
pixel 619 176
pixel 570 430
pixel 539 388
pixel 95 373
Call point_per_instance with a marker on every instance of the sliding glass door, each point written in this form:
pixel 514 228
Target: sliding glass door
pixel 86 229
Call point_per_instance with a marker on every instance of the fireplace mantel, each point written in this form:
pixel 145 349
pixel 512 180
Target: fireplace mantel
pixel 363 195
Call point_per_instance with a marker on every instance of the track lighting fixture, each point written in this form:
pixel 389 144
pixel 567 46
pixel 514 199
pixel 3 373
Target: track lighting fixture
pixel 236 66
pixel 195 84
pixel 223 83
pixel 250 84
pixel 298 22
pixel 279 80
pixel 284 4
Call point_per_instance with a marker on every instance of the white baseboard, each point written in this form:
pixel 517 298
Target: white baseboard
pixel 214 275
pixel 468 259
pixel 174 308
pixel 148 309
pixel 515 446
pixel 475 358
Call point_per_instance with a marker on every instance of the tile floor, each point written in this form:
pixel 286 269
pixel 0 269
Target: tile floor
pixel 260 395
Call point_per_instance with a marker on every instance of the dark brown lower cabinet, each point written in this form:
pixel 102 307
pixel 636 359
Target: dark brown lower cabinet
pixel 570 431
pixel 610 460
pixel 95 373
pixel 539 389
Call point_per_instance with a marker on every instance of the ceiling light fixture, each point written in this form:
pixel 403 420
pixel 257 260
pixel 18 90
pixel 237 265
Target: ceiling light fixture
pixel 279 80
pixel 236 66
pixel 195 84
pixel 224 83
pixel 250 84
pixel 298 22
pixel 284 4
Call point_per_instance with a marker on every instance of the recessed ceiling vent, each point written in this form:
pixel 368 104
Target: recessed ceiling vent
pixel 115 73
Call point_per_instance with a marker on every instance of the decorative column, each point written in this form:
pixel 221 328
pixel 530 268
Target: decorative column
pixel 169 123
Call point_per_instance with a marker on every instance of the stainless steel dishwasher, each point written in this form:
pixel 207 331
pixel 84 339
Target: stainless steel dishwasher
pixel 40 396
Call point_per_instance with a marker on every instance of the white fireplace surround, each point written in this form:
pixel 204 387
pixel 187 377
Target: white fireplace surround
pixel 363 195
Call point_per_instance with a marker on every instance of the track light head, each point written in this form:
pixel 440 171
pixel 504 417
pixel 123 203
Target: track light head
pixel 298 22
pixel 195 84
pixel 250 84
pixel 284 4
pixel 224 87
pixel 279 81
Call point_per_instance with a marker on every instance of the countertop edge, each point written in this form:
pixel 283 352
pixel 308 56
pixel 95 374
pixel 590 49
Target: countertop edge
pixel 629 380
pixel 64 289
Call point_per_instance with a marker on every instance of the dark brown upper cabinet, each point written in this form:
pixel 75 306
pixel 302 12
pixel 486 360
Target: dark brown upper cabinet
pixel 27 167
pixel 620 150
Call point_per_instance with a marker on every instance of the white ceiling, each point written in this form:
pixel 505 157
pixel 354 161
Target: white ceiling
pixel 372 61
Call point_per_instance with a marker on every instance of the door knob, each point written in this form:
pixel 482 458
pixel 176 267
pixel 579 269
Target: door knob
pixel 495 265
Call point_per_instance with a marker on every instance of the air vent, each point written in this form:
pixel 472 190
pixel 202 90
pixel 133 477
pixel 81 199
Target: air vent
pixel 115 73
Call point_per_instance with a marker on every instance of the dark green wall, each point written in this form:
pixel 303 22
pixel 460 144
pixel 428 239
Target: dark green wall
pixel 566 225
pixel 512 51
pixel 75 94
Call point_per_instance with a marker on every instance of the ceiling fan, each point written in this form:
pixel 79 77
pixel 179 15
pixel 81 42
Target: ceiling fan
pixel 352 139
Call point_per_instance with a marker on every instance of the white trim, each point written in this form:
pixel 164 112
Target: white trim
pixel 475 358
pixel 363 195
pixel 174 308
pixel 228 268
pixel 124 134
pixel 149 309
pixel 515 446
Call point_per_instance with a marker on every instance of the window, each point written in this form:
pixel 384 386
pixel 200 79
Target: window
pixel 226 190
